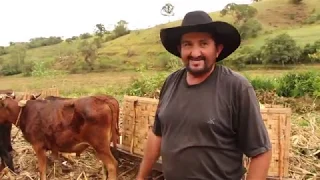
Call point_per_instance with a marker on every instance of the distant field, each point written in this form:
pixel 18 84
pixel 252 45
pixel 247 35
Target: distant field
pixel 109 82
pixel 75 84
pixel 302 36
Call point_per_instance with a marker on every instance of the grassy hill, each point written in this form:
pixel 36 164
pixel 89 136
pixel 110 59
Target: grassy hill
pixel 143 46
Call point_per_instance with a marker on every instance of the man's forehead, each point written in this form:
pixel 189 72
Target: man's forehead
pixel 196 36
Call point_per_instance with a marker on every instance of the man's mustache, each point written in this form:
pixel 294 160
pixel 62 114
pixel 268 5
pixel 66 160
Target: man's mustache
pixel 199 58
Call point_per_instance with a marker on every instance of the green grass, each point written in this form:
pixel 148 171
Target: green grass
pixel 302 36
pixel 108 82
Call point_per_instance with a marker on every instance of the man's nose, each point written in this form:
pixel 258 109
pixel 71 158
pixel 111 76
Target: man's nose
pixel 196 52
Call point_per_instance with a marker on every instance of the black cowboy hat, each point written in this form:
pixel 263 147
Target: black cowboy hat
pixel 199 21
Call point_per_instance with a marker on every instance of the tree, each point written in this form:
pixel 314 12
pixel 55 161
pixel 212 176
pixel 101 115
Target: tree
pixel 18 54
pixel 167 10
pixel 89 52
pixel 243 15
pixel 282 49
pixel 100 30
pixel 240 12
pixel 296 1
pixel 121 28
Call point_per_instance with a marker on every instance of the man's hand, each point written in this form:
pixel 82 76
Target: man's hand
pixel 151 154
pixel 259 166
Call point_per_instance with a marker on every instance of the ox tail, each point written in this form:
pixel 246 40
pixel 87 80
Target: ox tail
pixel 114 136
pixel 118 119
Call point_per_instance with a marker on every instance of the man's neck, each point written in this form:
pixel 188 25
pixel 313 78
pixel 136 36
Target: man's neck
pixel 192 80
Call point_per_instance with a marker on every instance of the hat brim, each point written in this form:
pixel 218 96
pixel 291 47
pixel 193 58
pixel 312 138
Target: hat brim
pixel 222 32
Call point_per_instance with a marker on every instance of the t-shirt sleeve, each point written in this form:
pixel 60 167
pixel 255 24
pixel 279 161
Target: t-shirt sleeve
pixel 253 138
pixel 156 129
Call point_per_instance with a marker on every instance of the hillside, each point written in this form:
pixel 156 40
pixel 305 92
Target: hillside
pixel 142 46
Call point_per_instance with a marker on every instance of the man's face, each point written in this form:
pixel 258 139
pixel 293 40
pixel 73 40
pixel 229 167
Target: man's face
pixel 199 52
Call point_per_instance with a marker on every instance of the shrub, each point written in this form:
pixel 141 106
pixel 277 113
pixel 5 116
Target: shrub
pixel 244 55
pixel 264 84
pixel 250 29
pixel 308 51
pixel 297 84
pixel 281 49
pixel 146 85
pixel 166 61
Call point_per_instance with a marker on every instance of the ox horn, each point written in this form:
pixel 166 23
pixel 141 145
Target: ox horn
pixel 35 96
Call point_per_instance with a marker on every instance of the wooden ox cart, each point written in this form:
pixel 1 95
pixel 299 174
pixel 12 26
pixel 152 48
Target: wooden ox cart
pixel 137 117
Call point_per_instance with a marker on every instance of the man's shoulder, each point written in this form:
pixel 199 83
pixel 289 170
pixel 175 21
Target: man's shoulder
pixel 233 78
pixel 176 75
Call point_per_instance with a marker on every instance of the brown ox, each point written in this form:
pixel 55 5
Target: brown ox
pixel 5 137
pixel 115 108
pixel 66 126
pixel 114 105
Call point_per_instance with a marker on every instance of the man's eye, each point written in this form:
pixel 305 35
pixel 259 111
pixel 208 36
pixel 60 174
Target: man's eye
pixel 204 44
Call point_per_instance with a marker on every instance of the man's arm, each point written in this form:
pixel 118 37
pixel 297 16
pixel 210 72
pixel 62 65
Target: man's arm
pixel 253 137
pixel 259 165
pixel 151 150
pixel 153 144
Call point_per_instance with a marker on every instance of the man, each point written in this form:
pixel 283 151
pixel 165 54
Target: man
pixel 208 115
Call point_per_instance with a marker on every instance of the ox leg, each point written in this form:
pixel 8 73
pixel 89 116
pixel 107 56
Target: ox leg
pixel 42 161
pixel 109 162
pixel 103 151
pixel 55 155
pixel 6 160
pixel 8 137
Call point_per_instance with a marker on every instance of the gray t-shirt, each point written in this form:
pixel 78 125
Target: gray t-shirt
pixel 206 128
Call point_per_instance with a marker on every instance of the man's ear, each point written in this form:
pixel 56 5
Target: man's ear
pixel 179 49
pixel 219 49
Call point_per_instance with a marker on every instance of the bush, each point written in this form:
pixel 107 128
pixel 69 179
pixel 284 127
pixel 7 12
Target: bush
pixel 297 84
pixel 310 49
pixel 264 84
pixel 146 86
pixel 313 18
pixel 166 61
pixel 315 57
pixel 293 84
pixel 42 41
pixel 244 55
pixel 296 1
pixel 281 49
pixel 9 69
pixel 250 29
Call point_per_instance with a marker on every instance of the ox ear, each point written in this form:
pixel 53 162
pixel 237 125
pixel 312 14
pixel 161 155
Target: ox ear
pixel 3 104
pixel 12 95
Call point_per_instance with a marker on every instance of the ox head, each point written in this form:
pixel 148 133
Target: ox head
pixel 8 92
pixel 5 102
pixel 10 105
pixel 26 96
pixel 5 96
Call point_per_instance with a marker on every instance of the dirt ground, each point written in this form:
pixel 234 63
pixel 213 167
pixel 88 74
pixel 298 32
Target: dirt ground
pixel 86 167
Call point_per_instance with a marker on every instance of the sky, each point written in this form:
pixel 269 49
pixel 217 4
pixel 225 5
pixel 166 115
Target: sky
pixel 22 20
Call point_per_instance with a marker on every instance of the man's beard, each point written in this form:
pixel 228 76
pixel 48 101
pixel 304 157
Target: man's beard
pixel 199 72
